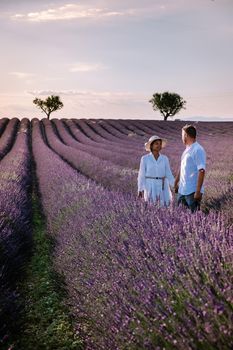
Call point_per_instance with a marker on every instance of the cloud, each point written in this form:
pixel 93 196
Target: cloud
pixel 109 9
pixel 105 10
pixel 68 12
pixel 82 93
pixel 22 75
pixel 98 97
pixel 86 67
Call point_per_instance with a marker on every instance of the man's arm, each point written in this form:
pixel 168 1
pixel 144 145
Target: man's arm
pixel 200 180
pixel 176 183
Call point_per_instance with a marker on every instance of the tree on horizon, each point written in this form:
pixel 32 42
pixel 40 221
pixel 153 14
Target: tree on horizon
pixel 168 103
pixel 51 104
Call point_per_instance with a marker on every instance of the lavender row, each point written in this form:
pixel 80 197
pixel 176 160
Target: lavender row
pixel 121 154
pixel 3 123
pixel 113 154
pixel 128 156
pixel 79 135
pixel 107 131
pixel 137 277
pixel 15 225
pixel 217 187
pixel 115 148
pixel 89 132
pixel 206 128
pixel 120 130
pixel 104 172
pixel 97 133
pixel 8 136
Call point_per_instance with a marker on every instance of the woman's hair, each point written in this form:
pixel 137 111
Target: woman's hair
pixel 154 142
pixel 190 130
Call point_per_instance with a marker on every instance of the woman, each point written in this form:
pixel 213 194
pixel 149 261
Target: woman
pixel 155 176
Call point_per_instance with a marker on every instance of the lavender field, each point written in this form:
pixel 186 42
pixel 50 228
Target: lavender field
pixel 134 276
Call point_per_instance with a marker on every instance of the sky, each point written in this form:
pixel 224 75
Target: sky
pixel 106 58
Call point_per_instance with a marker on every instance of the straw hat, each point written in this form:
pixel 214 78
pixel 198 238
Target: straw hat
pixel 154 138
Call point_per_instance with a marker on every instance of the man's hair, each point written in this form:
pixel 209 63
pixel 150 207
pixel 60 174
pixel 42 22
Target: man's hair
pixel 190 130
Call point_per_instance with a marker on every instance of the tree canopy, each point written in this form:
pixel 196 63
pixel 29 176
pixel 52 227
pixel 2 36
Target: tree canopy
pixel 51 104
pixel 167 103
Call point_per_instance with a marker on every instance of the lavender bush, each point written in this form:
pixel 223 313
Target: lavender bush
pixel 116 152
pixel 108 174
pixel 3 124
pixel 217 196
pixel 8 136
pixel 138 277
pixel 115 135
pixel 15 223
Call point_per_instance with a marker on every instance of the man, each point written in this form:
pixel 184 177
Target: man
pixel 189 181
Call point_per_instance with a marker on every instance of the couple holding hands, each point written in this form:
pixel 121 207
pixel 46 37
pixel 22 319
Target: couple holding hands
pixel 155 177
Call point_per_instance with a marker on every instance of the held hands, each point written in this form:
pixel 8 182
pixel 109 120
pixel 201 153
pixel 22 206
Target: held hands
pixel 140 194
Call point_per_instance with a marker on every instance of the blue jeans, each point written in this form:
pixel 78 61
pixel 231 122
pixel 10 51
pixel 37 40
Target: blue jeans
pixel 189 201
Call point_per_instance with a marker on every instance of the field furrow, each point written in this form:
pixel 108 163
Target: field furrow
pixel 15 222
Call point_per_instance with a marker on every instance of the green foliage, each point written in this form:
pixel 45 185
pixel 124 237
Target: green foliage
pixel 167 103
pixel 51 104
pixel 46 323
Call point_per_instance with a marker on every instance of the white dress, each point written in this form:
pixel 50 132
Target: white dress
pixel 155 190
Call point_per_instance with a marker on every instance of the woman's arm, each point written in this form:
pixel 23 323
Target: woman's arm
pixel 141 177
pixel 168 173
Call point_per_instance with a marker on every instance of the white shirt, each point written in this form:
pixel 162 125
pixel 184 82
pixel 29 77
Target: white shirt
pixel 193 159
pixel 153 189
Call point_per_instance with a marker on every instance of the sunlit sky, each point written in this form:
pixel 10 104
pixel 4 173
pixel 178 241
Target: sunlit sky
pixel 106 58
